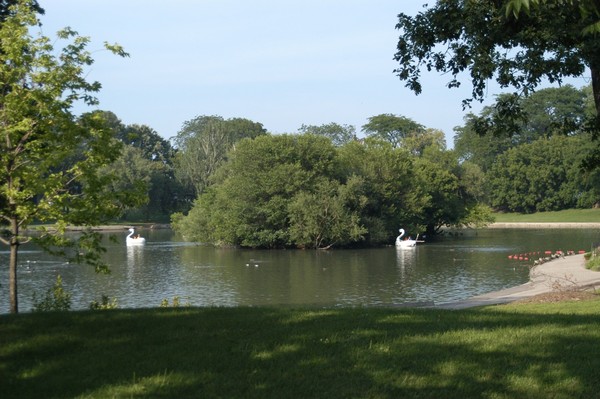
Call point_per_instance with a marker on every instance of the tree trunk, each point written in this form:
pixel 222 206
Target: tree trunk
pixel 12 266
pixel 595 71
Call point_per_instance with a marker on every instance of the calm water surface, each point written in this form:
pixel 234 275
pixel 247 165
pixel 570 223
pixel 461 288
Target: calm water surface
pixel 440 270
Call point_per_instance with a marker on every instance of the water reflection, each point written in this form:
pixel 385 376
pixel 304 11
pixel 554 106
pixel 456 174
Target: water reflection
pixel 406 258
pixel 135 255
pixel 142 276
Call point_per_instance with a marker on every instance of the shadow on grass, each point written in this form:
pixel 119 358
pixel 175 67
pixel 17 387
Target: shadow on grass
pixel 299 353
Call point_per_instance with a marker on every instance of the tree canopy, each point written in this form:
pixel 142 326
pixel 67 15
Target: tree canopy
pixel 495 40
pixel 339 134
pixel 202 146
pixel 391 128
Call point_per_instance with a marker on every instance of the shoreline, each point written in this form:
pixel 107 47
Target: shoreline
pixel 113 227
pixel 544 225
pixel 564 274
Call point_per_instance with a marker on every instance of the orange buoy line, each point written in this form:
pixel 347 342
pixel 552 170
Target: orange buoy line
pixel 549 255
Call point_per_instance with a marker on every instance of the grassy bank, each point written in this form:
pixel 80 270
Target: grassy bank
pixel 566 216
pixel 524 351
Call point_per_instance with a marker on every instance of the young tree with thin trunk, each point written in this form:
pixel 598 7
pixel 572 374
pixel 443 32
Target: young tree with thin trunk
pixel 49 162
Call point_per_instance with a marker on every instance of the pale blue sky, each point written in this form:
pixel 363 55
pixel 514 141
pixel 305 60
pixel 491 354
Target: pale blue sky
pixel 280 63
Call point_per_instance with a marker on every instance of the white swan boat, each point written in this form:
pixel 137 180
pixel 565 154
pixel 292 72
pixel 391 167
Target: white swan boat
pixel 406 242
pixel 133 239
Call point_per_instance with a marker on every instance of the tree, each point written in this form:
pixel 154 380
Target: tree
pixel 328 214
pixel 394 197
pixel 131 173
pixel 49 163
pixel 544 113
pixel 391 128
pixel 481 150
pixel 417 142
pixel 496 40
pixel 264 182
pixel 153 146
pixel 202 146
pixel 6 8
pixel 339 134
pixel 541 176
pixel 553 110
pixel 145 167
pixel 589 10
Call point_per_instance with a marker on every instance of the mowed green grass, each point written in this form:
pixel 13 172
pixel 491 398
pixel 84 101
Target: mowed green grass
pixel 511 351
pixel 566 216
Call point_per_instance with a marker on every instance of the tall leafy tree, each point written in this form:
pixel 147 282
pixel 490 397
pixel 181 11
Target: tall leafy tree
pixel 554 110
pixel 495 40
pixel 202 146
pixel 49 163
pixel 541 176
pixel 481 150
pixel 152 145
pixel 391 128
pixel 145 167
pixel 544 113
pixel 417 142
pixel 339 134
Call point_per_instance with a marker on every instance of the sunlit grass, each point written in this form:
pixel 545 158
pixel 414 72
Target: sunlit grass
pixel 525 351
pixel 566 216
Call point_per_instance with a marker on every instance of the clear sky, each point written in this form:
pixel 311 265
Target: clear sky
pixel 280 63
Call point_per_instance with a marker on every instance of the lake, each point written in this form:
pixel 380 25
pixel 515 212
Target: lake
pixel 440 270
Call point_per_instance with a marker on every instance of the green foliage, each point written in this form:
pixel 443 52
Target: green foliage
pixel 394 195
pixel 339 134
pixel 328 216
pixel 437 176
pixel 544 113
pixel 457 36
pixel 262 178
pixel 592 260
pixel 55 299
pixel 144 171
pixel 49 160
pixel 588 11
pixel 176 303
pixel 302 191
pixel 391 128
pixel 541 176
pixel 104 304
pixel 203 144
pixel 593 263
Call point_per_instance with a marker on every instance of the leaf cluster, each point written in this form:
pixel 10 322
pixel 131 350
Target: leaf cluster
pixel 485 41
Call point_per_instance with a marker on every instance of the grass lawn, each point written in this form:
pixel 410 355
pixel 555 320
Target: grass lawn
pixel 511 351
pixel 566 216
